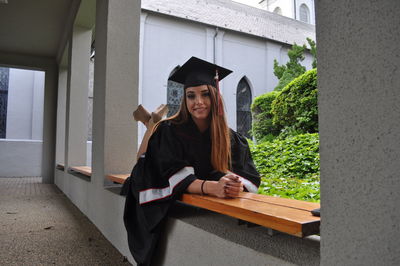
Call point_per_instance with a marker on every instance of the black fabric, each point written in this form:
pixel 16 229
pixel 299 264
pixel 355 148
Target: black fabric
pixel 242 163
pixel 171 148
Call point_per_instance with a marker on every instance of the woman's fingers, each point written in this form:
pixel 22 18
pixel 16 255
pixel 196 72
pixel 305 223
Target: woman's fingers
pixel 233 190
pixel 233 177
pixel 230 186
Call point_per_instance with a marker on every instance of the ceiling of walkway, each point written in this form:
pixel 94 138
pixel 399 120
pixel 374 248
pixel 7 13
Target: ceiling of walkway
pixel 41 27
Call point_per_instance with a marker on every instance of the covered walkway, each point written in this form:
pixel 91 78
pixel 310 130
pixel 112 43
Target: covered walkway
pixel 40 226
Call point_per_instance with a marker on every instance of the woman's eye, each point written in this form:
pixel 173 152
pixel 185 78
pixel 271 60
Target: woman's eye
pixel 206 94
pixel 190 96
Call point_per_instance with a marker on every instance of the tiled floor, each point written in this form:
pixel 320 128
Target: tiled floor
pixel 40 226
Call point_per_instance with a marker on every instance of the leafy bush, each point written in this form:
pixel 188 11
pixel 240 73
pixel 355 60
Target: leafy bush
pixel 289 167
pixel 295 109
pixel 262 127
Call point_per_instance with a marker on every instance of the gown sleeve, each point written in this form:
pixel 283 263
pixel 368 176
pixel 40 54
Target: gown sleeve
pixel 159 177
pixel 242 163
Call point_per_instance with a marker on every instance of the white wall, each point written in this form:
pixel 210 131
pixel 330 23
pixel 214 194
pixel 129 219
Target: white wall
pixel 20 157
pixel 25 104
pixel 287 7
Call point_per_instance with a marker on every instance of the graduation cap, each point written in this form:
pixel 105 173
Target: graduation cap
pixel 196 72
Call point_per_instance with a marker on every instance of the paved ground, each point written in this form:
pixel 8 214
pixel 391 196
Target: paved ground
pixel 40 226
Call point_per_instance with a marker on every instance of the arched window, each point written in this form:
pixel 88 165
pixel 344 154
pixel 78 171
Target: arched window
pixel 243 113
pixel 304 13
pixel 278 10
pixel 174 95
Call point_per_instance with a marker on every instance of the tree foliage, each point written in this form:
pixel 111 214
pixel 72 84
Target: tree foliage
pixel 295 109
pixel 292 69
pixel 313 51
pixel 263 128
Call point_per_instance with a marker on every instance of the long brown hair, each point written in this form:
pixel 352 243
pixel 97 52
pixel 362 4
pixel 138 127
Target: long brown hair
pixel 219 130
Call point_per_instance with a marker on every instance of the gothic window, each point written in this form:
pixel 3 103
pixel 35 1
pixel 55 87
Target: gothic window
pixel 304 13
pixel 4 77
pixel 174 95
pixel 278 10
pixel 243 113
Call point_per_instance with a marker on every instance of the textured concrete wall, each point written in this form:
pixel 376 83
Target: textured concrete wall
pixel 359 108
pixel 20 157
pixel 199 237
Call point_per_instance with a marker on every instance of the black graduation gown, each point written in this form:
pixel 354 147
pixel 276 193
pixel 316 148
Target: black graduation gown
pixel 176 155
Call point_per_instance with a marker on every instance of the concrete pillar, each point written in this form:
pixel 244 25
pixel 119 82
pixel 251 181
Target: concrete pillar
pixel 49 123
pixel 62 93
pixel 115 87
pixel 143 18
pixel 359 111
pixel 77 97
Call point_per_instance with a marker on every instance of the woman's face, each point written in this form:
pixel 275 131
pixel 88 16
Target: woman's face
pixel 198 102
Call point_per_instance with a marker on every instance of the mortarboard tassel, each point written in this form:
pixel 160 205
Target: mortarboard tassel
pixel 220 111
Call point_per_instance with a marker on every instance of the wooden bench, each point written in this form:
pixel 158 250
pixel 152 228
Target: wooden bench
pixel 60 166
pixel 284 215
pixel 83 170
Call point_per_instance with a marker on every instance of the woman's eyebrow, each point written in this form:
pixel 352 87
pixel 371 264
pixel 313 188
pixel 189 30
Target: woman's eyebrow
pixel 205 90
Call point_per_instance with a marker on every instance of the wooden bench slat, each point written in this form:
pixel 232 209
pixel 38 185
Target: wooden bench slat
pixel 298 204
pixel 118 178
pixel 280 211
pixel 60 166
pixel 284 219
pixel 84 170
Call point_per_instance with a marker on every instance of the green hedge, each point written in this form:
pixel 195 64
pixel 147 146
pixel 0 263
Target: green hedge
pixel 295 109
pixel 262 127
pixel 289 167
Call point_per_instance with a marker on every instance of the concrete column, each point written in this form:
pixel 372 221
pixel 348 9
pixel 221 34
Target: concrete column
pixel 49 123
pixel 143 18
pixel 62 92
pixel 359 111
pixel 115 87
pixel 77 97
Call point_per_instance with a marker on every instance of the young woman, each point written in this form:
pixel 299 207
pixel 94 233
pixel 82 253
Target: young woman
pixel 193 151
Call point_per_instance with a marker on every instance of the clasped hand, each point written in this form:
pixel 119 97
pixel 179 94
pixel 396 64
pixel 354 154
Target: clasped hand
pixel 229 186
